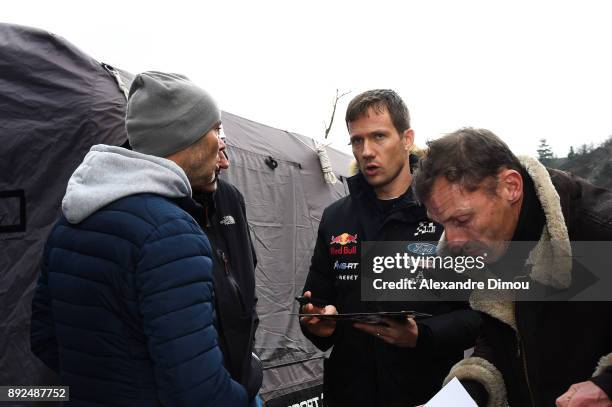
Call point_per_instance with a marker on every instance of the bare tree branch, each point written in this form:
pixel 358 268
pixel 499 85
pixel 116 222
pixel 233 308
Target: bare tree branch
pixel 331 121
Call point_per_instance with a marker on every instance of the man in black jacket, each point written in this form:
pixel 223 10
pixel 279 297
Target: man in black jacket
pixel 530 353
pixel 222 215
pixel 400 363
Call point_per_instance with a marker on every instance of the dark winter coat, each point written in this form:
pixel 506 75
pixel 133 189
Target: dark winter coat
pixel 529 353
pixel 222 215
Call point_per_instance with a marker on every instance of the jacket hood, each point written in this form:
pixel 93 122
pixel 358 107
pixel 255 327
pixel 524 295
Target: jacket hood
pixel 109 173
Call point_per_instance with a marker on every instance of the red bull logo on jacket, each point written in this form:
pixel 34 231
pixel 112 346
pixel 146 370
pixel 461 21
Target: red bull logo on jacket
pixel 344 239
pixel 336 251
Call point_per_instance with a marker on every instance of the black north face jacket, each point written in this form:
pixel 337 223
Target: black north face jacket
pixel 222 216
pixel 362 370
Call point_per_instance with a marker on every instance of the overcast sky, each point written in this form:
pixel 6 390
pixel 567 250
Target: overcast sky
pixel 524 69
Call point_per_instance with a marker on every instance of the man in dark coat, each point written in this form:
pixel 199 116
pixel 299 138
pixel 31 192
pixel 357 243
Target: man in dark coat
pixel 222 216
pixel 530 353
pixel 124 309
pixel 400 363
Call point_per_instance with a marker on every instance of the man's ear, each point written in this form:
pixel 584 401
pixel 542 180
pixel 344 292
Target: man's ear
pixel 408 137
pixel 510 184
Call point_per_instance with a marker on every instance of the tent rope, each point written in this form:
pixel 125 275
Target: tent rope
pixel 328 173
pixel 326 167
pixel 118 79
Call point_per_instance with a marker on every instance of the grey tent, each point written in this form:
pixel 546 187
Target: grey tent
pixel 285 194
pixel 55 103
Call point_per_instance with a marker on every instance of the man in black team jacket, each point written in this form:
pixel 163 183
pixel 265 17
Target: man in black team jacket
pixel 404 363
pixel 222 215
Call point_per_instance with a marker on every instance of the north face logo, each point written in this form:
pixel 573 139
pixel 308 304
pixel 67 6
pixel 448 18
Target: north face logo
pixel 227 220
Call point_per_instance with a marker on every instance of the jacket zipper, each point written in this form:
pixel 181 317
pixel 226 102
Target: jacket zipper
pixel 230 277
pixel 523 357
pixel 221 254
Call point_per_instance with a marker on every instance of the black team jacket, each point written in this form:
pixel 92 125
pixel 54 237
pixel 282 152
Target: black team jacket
pixel 362 370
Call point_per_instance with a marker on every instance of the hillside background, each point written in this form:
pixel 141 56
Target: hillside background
pixel 587 161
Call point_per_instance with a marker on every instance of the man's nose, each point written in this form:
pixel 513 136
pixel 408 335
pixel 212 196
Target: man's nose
pixel 455 239
pixel 368 149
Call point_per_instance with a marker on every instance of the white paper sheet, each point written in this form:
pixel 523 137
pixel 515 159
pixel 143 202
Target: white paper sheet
pixel 453 394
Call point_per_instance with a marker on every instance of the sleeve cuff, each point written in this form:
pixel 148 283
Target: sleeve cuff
pixel 322 343
pixel 605 363
pixel 603 374
pixel 604 381
pixel 483 372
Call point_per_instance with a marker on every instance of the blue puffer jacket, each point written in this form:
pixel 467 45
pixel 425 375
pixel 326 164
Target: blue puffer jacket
pixel 124 305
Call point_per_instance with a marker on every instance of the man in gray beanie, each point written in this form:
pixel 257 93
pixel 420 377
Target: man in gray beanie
pixel 124 308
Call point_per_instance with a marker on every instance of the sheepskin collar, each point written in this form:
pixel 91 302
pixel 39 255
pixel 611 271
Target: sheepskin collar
pixel 551 259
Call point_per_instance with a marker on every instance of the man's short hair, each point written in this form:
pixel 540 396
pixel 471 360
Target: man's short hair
pixel 466 157
pixel 379 100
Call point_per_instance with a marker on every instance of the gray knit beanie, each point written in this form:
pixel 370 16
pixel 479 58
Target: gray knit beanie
pixel 166 113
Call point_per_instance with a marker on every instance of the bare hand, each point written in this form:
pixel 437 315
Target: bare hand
pixel 584 394
pixel 318 326
pixel 399 333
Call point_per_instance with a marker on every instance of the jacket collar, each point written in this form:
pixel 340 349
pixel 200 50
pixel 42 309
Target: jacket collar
pixel 201 207
pixel 360 189
pixel 370 212
pixel 550 259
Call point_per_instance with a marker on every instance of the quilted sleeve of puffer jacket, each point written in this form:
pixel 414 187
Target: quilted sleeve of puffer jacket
pixel 177 307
